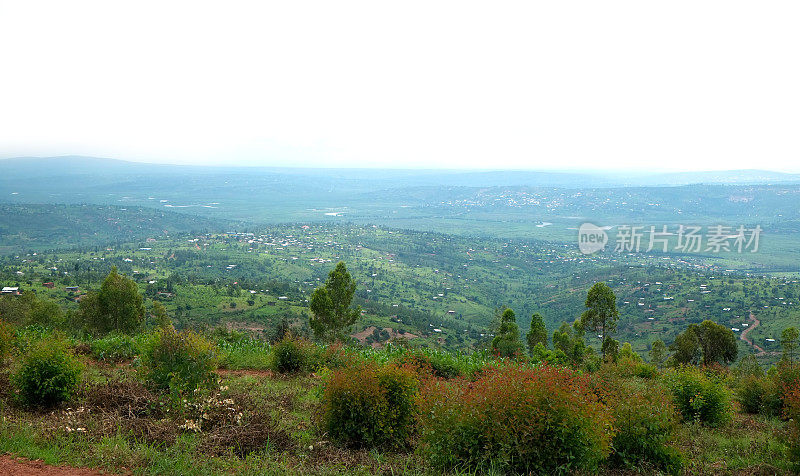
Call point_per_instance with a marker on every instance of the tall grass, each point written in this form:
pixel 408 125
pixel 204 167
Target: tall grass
pixel 251 354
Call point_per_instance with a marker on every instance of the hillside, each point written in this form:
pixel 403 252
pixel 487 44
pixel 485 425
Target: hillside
pixel 45 227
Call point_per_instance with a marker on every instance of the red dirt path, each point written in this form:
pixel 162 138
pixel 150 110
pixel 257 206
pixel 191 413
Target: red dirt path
pixel 11 466
pixel 744 337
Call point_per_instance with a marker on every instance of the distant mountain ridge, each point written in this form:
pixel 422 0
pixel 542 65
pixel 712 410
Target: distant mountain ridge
pixel 28 168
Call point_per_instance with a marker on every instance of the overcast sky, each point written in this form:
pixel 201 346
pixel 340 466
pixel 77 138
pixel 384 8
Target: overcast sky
pixel 678 85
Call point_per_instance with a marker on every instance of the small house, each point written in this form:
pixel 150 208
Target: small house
pixel 9 290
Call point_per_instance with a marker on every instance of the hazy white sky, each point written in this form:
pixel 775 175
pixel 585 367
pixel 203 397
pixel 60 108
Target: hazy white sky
pixel 679 85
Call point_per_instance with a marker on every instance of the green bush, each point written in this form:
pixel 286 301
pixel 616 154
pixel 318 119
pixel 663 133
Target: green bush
pixel 645 371
pixel 444 366
pixel 699 397
pixel 180 362
pixel 292 355
pixel 644 420
pixel 48 374
pixel 28 336
pixel 114 348
pixel 791 413
pixel 751 393
pixel 514 419
pixel 370 406
pixel 438 364
pixel 7 338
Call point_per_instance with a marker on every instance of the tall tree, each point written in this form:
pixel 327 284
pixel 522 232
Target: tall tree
pixel 718 343
pixel 507 342
pixel 538 332
pixel 707 342
pixel 118 306
pixel 789 338
pixel 160 315
pixel 331 315
pixel 658 353
pixel 601 313
pixel 686 348
pixel 569 341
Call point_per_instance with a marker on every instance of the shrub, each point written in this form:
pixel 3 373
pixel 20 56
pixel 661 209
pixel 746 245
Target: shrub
pixel 370 406
pixel 792 413
pixel 514 419
pixel 645 420
pixel 437 364
pixel 114 348
pixel 646 371
pixel 750 394
pixel 48 374
pixel 7 338
pixel 180 362
pixel 699 397
pixel 336 356
pixel 288 356
pixel 28 336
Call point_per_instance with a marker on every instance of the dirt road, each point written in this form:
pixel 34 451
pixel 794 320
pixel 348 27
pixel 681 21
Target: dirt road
pixel 12 466
pixel 755 323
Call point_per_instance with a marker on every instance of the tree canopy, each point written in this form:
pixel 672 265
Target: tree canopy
pixel 507 342
pixel 601 313
pixel 331 314
pixel 707 342
pixel 118 306
pixel 538 332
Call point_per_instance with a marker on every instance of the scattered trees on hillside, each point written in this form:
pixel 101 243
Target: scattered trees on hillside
pixel 331 314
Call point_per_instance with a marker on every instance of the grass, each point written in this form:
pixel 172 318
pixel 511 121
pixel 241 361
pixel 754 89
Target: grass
pixel 245 354
pixel 745 444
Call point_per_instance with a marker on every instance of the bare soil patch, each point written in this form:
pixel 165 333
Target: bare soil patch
pixel 11 466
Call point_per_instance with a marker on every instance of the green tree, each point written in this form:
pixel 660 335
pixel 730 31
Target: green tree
pixel 160 315
pixel 627 352
pixel 331 314
pixel 686 348
pixel 658 353
pixel 789 338
pixel 718 343
pixel 707 342
pixel 117 306
pixel 610 349
pixel 538 332
pixel 749 367
pixel 46 313
pixel 601 313
pixel 568 340
pixel 507 341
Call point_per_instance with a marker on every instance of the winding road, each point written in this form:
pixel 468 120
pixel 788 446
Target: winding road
pixel 744 337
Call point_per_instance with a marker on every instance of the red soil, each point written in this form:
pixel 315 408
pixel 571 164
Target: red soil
pixel 12 466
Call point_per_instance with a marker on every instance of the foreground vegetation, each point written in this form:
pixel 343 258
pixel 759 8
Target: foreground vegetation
pixel 126 392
